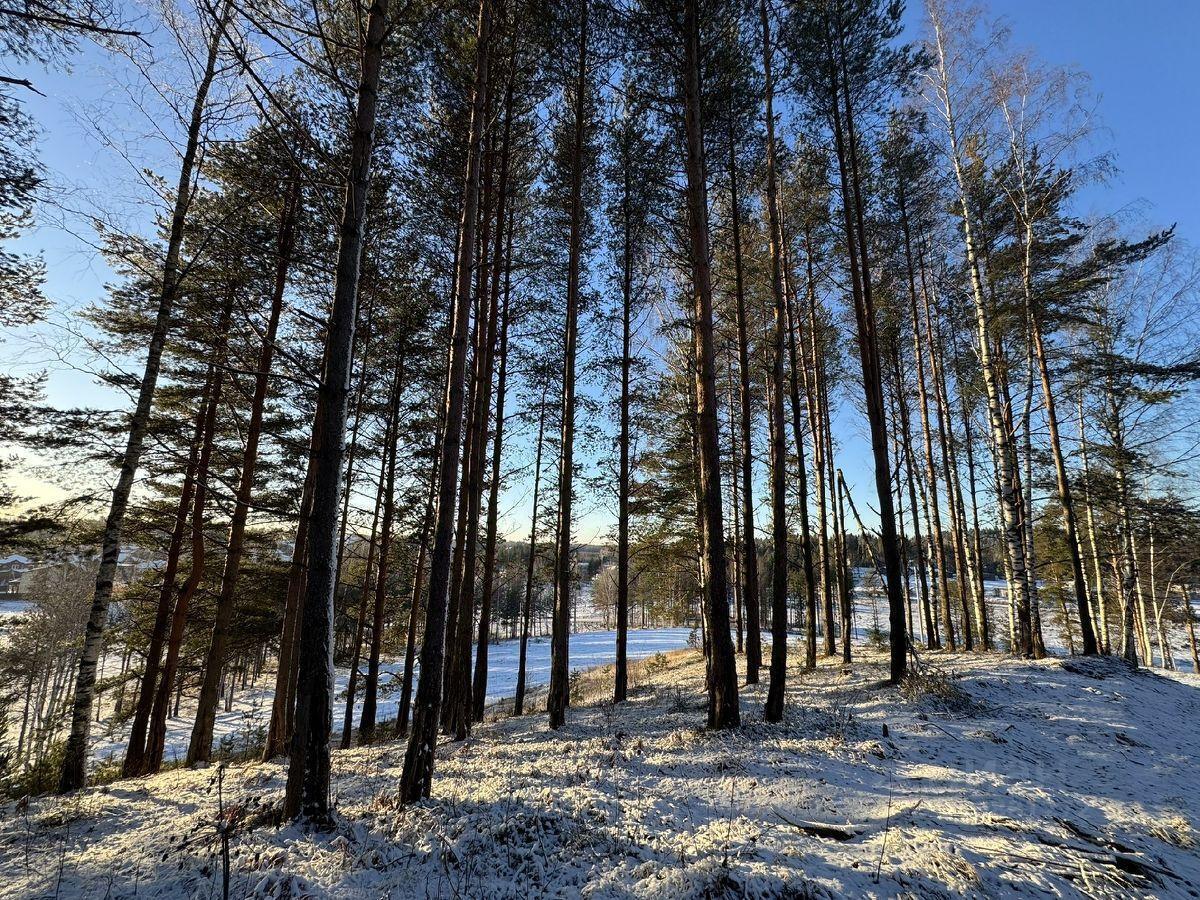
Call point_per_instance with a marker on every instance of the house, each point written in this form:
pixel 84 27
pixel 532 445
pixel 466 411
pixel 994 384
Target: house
pixel 12 568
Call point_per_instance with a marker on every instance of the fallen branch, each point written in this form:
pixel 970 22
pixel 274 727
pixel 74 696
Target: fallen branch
pixel 821 830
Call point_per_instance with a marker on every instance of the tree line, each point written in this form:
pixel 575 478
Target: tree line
pixel 419 265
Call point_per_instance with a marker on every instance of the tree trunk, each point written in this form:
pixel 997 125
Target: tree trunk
pixel 817 426
pixel 414 612
pixel 749 554
pixel 360 627
pixel 621 668
pixel 968 555
pixel 417 776
pixel 456 701
pixel 985 629
pixel 366 723
pixel 559 695
pixel 527 605
pixel 479 685
pixel 868 345
pixel 773 711
pixel 200 744
pixel 158 713
pixel 1189 617
pixel 721 672
pixel 1089 516
pixel 806 550
pixel 283 704
pixel 1001 437
pixel 911 469
pixel 949 473
pixel 307 793
pixel 74 767
pixel 135 755
pixel 932 513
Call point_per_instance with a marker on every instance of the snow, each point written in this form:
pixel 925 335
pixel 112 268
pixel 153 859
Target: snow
pixel 15 607
pixel 250 713
pixel 245 723
pixel 995 776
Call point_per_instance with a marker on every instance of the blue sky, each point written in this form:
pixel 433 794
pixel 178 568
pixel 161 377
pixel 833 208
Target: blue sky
pixel 1138 56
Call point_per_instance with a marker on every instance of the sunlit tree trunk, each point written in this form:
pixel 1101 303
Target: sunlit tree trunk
pixel 1001 436
pixel 721 672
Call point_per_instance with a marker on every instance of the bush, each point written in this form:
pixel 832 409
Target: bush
pixel 937 686
pixel 42 776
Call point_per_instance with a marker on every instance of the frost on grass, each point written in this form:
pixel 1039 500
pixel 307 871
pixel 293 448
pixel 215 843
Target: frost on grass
pixel 993 776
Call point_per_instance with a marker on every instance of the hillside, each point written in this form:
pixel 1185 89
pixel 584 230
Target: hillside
pixel 991 777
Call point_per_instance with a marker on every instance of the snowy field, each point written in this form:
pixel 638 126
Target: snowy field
pixel 239 728
pixel 243 726
pixel 998 777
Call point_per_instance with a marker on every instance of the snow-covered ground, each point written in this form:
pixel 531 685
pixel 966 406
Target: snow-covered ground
pixel 995 777
pixel 245 723
pixel 239 728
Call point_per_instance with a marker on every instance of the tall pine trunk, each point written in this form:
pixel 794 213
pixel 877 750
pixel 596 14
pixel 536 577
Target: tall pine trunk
pixel 721 671
pixel 531 561
pixel 366 723
pixel 621 669
pixel 283 704
pixel 479 683
pixel 414 611
pixel 135 754
pixel 417 777
pixel 806 549
pixel 749 552
pixel 559 695
pixel 307 793
pixel 360 626
pixel 157 727
pixel 846 143
pixel 773 711
pixel 200 743
pixel 1065 496
pixel 74 767
pixel 817 425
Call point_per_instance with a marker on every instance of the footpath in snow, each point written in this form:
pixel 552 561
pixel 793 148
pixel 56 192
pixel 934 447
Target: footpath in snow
pixel 995 777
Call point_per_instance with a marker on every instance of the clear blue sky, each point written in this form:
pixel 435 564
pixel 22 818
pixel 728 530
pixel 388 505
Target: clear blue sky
pixel 1140 55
